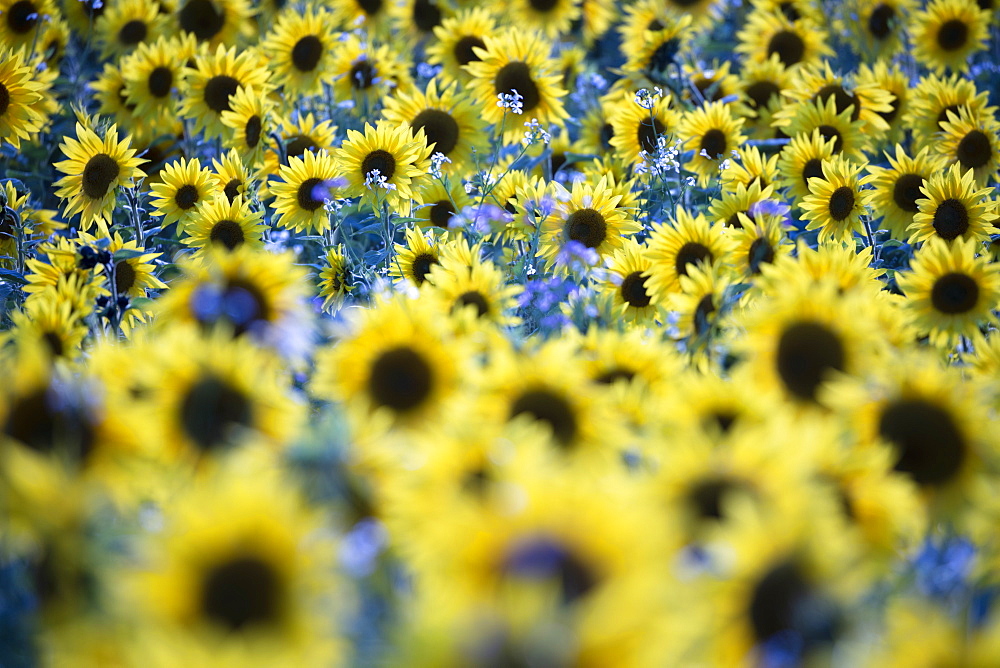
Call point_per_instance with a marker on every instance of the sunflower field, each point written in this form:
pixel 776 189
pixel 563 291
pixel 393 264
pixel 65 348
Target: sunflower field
pixel 542 333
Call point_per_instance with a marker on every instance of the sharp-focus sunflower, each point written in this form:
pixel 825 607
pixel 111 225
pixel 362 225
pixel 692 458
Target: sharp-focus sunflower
pixel 153 73
pixel 19 117
pixel 438 205
pixel 795 43
pixel 306 183
pixel 182 186
pixel 457 38
pixel 636 129
pixel 750 167
pixel 94 169
pixel 231 176
pixel 417 256
pixel 399 158
pixel 935 99
pixel 249 121
pixel 834 204
pixel 127 24
pixel 628 272
pixel 334 277
pixel 300 51
pixel 214 22
pixel 897 188
pixel 820 116
pixel 686 240
pixel 740 206
pixel 712 133
pixel 972 141
pixel 953 207
pixel 761 86
pixel 298 136
pixel 947 32
pixel 365 73
pixel 132 276
pixel 760 242
pixel 801 160
pixel 950 291
pixel 210 85
pixel 866 100
pixel 229 225
pixel 449 120
pixel 517 61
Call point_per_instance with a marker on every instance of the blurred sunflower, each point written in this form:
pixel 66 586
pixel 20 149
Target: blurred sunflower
pixel 365 73
pixel 714 135
pixel 219 222
pixel 456 40
pixel 52 321
pixel 386 163
pixel 761 86
pixel 231 176
pixel 834 204
pixel 950 291
pixel 373 15
pixel 23 21
pixel 438 205
pixel 675 246
pixel 19 118
pixel 306 183
pixel 795 43
pixel 211 83
pixel 878 29
pixel 546 17
pixel 818 84
pixel 473 296
pixel 749 168
pixel 897 188
pixel 298 136
pixel 127 24
pixel 953 207
pixel 935 99
pixel 300 51
pixel 699 301
pixel 656 58
pixel 417 19
pixel 94 168
pixel 214 22
pixel 892 79
pixel 847 267
pixel 972 141
pixel 758 243
pixel 946 32
pixel 182 186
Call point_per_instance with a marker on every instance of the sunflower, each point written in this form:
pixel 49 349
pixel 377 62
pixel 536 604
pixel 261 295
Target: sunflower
pixel 655 59
pixel 249 120
pixel 133 275
pixel 19 118
pixel 456 41
pixel 472 296
pixel 878 29
pixel 238 578
pixel 298 136
pixel 675 246
pixel 843 265
pixel 947 32
pixel 712 83
pixel 182 186
pixel 834 204
pixel 451 124
pixel 750 167
pixel 415 259
pixel 818 84
pixel 801 160
pixel 214 22
pixel 734 208
pixel 802 11
pixel 544 17
pixel 714 135
pixel 219 222
pixel 364 73
pixel 760 242
pixel 795 43
pixel 589 215
pixel 306 184
pixel 127 24
pixel 760 95
pixel 230 176
pixel 372 15
pixel 399 158
pixel 94 168
pixel 300 50
pixel 109 89
pixel 417 19
pixel 438 205
pixel 334 277
pixel 698 304
pixel 972 141
pixel 23 22
pixel 636 129
pixel 152 74
pixel 211 83
pixel 897 188
pixel 954 207
pixel 821 116
pixel 935 99
pixel 891 78
pixel 517 61
pixel 627 275
pixel 54 322
pixel 950 291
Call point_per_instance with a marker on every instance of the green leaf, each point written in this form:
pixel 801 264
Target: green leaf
pixel 127 254
pixel 11 276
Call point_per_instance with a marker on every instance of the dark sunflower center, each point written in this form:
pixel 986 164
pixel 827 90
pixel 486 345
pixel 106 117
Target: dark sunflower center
pixel 475 298
pixel 723 420
pixel 943 117
pixel 251 131
pixel 441 213
pixel 890 115
pixel 663 57
pixel 240 302
pixel 955 293
pixel 880 21
pixel 4 99
pixel 782 601
pixel 542 558
pixel 380 160
pixel 439 127
pixel 228 233
pixel 517 76
pixel 930 445
pixel 951 219
pixel 244 592
pixel 218 90
pixel 606 133
pixel 160 81
pixel 841 203
pixel 713 143
pixel 362 75
pixel 842 99
pixel 124 277
pixel 759 253
pixel 633 290
pixel 132 33
pixel 702 314
pixel 707 497
pixel 22 17
pixel 691 253
pixel 789 47
pixel 426 15
pixel 807 352
pixel 906 192
pixel 210 409
pixel 974 151
pixel 812 169
pixel 297 146
pixel 953 35
pixel 463 49
pixel 612 376
pixel 43 424
pixel 306 194
pixel 186 196
pixel 400 379
pixel 306 53
pixel 232 189
pixel 202 19
pixel 543 5
pixel 54 343
pixel 548 407
pixel 101 171
pixel 760 93
pixel 370 7
pixel 647 132
pixel 421 267
pixel 587 226
pixel 829 132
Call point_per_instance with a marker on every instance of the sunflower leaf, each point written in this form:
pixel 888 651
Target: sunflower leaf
pixel 127 254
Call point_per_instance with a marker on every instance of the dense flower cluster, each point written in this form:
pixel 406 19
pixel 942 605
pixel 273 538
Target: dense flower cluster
pixel 455 333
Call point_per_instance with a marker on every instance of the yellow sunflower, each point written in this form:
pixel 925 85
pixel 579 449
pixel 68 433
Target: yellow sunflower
pixel 300 51
pixel 699 301
pixel 334 277
pixel 20 117
pixel 866 100
pixel 953 207
pixel 896 188
pixel 892 79
pixel 153 73
pixel 760 242
pixel 878 29
pixel 947 32
pixel 472 296
pixel 415 259
pixel 713 134
pixel 219 222
pixel 935 99
pixel 249 121
pixel 636 129
pixel 801 160
pixel 683 242
pixel 127 24
pixel 214 22
pixel 656 58
pixel 834 204
pixel 386 163
pixel 23 22
pixel 761 86
pixel 95 167
pixel 795 43
pixel 628 272
pixel 306 183
pixel 365 73
pixel 456 41
pixel 972 141
pixel 546 17
pixel 231 176
pixel 821 116
pixel 182 186
pixel 213 81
